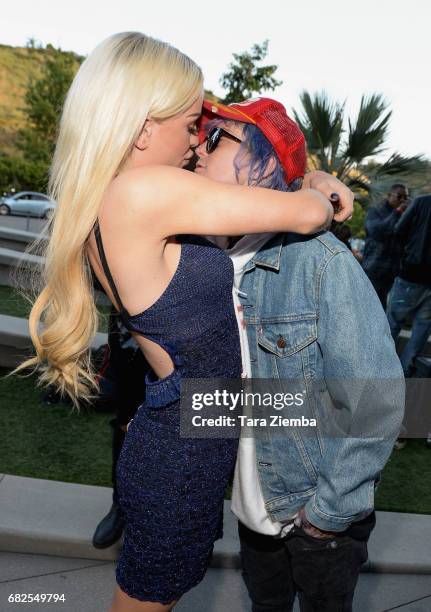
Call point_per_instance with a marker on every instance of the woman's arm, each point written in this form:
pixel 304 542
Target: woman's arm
pixel 175 201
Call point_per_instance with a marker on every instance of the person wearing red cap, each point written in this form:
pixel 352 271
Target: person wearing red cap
pixel 306 310
pixel 272 120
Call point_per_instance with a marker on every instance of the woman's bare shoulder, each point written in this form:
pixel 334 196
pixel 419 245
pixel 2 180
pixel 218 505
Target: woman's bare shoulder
pixel 151 193
pixel 142 182
pixel 145 193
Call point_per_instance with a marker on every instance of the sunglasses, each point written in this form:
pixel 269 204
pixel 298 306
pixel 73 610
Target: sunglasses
pixel 214 135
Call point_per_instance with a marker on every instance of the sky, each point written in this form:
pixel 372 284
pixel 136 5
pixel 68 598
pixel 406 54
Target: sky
pixel 347 48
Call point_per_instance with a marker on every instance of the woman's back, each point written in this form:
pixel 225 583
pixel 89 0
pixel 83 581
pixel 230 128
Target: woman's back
pixel 192 321
pixel 140 270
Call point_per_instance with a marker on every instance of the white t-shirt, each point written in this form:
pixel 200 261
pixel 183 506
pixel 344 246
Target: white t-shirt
pixel 248 503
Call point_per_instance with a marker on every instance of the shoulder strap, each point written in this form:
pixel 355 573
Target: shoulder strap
pixel 106 269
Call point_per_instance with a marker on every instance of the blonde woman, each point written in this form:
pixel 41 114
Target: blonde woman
pixel 128 128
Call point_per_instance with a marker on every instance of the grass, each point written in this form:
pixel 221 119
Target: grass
pixel 405 485
pixel 51 442
pixel 13 304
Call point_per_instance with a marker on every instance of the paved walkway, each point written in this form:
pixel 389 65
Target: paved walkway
pixel 88 586
pixel 45 535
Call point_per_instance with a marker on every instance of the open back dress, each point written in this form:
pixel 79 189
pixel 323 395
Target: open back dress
pixel 171 488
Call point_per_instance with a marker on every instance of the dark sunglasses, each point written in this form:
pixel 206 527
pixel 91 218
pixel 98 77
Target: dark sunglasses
pixel 214 135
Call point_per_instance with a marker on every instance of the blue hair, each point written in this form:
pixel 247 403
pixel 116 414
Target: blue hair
pixel 261 155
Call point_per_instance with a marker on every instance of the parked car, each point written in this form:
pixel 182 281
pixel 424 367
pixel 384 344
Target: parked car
pixel 27 203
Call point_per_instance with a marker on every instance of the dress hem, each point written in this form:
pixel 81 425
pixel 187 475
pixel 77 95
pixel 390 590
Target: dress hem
pixel 154 598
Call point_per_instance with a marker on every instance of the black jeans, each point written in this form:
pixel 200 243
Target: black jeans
pixel 323 572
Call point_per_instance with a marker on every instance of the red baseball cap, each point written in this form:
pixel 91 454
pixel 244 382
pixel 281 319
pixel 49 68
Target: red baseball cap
pixel 273 121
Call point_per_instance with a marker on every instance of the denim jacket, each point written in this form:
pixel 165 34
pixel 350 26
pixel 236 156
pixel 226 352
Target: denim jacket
pixel 310 292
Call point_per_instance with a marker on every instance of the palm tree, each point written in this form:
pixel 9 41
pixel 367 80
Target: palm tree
pixel 347 152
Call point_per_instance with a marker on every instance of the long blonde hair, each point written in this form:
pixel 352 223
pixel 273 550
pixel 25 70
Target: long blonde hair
pixel 128 77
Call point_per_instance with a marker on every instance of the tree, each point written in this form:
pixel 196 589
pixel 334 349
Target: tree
pixel 347 152
pixel 21 175
pixel 244 78
pixel 43 102
pixel 33 44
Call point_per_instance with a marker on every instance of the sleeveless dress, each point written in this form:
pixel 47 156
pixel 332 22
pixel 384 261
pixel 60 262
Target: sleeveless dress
pixel 171 489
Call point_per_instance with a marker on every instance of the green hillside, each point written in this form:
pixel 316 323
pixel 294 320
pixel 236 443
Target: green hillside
pixel 17 65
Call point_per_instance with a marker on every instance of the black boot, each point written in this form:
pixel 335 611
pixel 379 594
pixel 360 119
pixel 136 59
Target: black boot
pixel 110 528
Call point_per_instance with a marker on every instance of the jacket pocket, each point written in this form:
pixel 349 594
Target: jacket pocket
pixel 284 338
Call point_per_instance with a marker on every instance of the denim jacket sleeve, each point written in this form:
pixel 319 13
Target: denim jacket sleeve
pixel 380 227
pixel 356 345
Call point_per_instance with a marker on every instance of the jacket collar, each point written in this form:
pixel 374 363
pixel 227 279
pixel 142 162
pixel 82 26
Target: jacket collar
pixel 269 255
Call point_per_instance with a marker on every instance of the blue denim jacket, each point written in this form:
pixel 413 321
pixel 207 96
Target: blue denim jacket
pixel 311 292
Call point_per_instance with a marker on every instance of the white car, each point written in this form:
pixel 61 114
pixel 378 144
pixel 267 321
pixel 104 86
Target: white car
pixel 27 203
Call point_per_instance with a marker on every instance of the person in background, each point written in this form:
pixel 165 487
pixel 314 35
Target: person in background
pixel 410 296
pixel 382 253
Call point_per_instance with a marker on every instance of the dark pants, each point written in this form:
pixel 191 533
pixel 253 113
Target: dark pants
pixel 323 572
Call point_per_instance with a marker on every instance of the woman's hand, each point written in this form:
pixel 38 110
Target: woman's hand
pixel 329 185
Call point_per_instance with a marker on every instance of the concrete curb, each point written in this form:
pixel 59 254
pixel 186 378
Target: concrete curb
pixel 57 518
pixel 17 239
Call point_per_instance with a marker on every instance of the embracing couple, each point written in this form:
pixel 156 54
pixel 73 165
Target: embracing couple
pixel 227 272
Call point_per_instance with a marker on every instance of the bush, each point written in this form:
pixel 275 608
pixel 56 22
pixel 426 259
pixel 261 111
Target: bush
pixel 20 174
pixel 357 222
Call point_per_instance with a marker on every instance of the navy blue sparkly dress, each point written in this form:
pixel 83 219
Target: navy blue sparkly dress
pixel 171 489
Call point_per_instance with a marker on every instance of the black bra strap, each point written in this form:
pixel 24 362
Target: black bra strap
pixel 106 269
